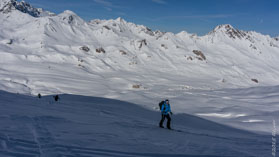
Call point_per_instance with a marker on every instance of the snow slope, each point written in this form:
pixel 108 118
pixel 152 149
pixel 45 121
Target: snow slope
pixel 228 76
pixel 92 126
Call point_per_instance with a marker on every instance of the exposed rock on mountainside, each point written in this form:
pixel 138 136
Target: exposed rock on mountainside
pixel 230 31
pixel 255 80
pixel 136 86
pixel 85 48
pixel 123 52
pixel 9 5
pixel 142 42
pixel 100 50
pixel 199 54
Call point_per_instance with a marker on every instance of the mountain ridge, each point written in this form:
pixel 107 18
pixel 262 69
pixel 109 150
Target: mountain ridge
pixel 224 58
pixel 7 6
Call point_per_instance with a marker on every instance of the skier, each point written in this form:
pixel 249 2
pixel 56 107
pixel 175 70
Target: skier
pixel 56 97
pixel 165 111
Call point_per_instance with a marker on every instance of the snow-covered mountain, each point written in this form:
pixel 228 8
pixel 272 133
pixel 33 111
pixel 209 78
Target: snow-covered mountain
pixel 225 57
pixel 7 6
pixel 46 53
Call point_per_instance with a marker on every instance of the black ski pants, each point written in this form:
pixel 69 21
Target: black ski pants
pixel 163 119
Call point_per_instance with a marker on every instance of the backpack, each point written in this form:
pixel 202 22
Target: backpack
pixel 161 104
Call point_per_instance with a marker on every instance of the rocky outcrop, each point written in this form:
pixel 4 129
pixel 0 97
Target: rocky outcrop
pixel 148 31
pixel 189 58
pixel 164 46
pixel 136 86
pixel 122 52
pixel 100 50
pixel 9 5
pixel 255 80
pixel 199 54
pixel 106 27
pixel 85 48
pixel 142 42
pixel 230 31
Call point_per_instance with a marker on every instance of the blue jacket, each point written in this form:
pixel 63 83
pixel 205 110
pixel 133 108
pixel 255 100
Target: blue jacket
pixel 165 109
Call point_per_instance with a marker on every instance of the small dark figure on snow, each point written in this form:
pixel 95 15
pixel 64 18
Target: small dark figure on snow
pixel 39 96
pixel 165 111
pixel 56 97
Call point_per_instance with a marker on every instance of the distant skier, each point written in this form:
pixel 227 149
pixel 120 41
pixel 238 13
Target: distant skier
pixel 56 97
pixel 165 111
pixel 39 95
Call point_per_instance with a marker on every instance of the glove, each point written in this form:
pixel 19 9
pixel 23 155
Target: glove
pixel 171 113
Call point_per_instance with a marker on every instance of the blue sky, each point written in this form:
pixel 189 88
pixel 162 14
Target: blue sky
pixel 194 16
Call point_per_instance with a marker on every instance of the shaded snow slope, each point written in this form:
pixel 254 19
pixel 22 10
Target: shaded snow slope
pixel 125 54
pixel 92 126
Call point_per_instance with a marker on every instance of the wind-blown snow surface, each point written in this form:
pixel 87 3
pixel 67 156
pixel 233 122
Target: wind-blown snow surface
pixel 91 126
pixel 40 52
pixel 45 53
